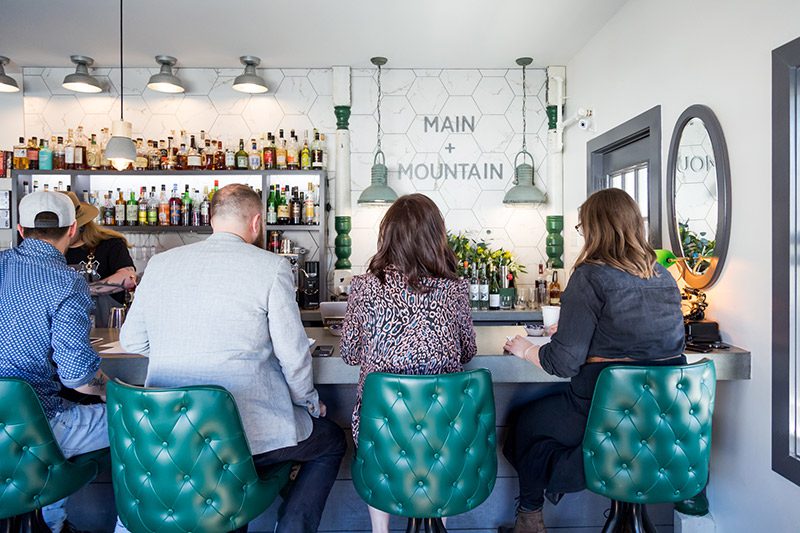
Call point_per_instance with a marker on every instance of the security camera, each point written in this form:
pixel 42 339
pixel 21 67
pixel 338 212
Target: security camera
pixel 585 123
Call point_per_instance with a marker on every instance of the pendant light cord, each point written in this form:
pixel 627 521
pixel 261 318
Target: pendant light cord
pixel 121 70
pixel 524 112
pixel 379 108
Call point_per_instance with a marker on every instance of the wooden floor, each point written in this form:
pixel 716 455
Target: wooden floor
pixel 92 508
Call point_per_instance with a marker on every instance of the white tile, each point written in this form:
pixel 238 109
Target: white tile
pixel 229 129
pixel 35 96
pixel 94 123
pixel 396 114
pixel 425 141
pixel 35 125
pixel 54 77
pixel 525 228
pixel 225 99
pixel 299 123
pixel 427 95
pixel 493 72
pixel 136 79
pixel 161 126
pixel 295 71
pixel 493 95
pixel 263 114
pixel 98 103
pixel 427 72
pixel 61 113
pixel 360 167
pixel 490 211
pixel 536 115
pixel 321 114
pixel 365 244
pixel 136 112
pixel 32 71
pixel 162 103
pixel 459 193
pixel 362 72
pixel 460 148
pixel 363 129
pixel 535 147
pixel 422 172
pixel 398 149
pixel 273 76
pixel 497 171
pixel 196 113
pixel 460 81
pixel 459 114
pixel 197 81
pixel 493 133
pixel 322 80
pixel 295 95
pixel 364 92
pixel 462 221
pixel 397 81
pixel 535 79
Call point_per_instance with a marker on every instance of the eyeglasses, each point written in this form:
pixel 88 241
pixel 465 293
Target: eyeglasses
pixel 578 229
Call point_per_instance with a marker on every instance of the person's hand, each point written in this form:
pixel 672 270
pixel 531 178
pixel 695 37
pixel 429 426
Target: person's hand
pixel 518 346
pixel 323 410
pixel 552 330
pixel 125 277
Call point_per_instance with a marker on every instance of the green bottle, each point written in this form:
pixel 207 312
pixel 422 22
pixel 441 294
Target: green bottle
pixel 272 207
pixel 132 211
pixel 241 157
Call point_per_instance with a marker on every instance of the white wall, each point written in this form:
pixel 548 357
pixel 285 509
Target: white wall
pixel 714 52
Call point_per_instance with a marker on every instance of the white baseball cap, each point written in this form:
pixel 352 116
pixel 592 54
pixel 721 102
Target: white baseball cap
pixel 39 202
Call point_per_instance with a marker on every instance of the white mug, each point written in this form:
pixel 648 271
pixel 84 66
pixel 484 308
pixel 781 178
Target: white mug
pixel 550 314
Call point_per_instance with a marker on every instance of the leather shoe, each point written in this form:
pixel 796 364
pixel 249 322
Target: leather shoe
pixel 527 522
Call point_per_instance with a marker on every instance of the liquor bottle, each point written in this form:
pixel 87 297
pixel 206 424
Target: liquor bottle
pixel 69 151
pixel 186 213
pixel 59 186
pixel 152 208
pixel 555 290
pixel 292 155
pixel 324 149
pixel 94 199
pixel 280 152
pixel 59 160
pixel 153 156
pixel 494 290
pixel 119 210
pixel 182 158
pixel 230 158
pixel 308 205
pixel 296 207
pixel 194 160
pixel 208 156
pixel 205 211
pixel 132 211
pixel 474 290
pixel 254 158
pixel 45 156
pixel 316 152
pixel 163 207
pixel 141 215
pixel 283 209
pixel 21 155
pixel 542 297
pixel 219 157
pixel 80 150
pixel 196 200
pixel 142 160
pixel 269 153
pixel 305 154
pixel 484 287
pixel 241 157
pixel 175 207
pixel 109 210
pixel 213 191
pixel 93 154
pixel 32 152
pixel 272 214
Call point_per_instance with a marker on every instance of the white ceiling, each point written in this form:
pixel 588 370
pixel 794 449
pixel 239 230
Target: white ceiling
pixel 302 33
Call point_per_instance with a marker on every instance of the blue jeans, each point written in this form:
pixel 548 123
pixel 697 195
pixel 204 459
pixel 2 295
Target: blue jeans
pixel 78 429
pixel 320 454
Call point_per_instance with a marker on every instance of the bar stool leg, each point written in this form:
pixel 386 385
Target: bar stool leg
pixel 414 525
pixel 32 522
pixel 627 517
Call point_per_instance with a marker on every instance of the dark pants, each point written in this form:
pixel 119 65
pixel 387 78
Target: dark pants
pixel 545 438
pixel 320 454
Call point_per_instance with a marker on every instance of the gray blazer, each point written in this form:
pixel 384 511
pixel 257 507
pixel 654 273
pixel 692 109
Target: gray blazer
pixel 223 312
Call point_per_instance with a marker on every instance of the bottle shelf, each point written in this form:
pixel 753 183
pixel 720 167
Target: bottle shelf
pixel 292 227
pixel 206 230
pixel 166 172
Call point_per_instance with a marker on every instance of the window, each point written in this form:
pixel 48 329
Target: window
pixel 785 264
pixel 628 157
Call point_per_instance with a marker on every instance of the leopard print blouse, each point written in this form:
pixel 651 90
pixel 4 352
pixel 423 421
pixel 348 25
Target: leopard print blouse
pixel 390 328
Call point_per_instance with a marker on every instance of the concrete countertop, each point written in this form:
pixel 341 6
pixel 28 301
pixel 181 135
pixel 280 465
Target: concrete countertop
pixel 732 364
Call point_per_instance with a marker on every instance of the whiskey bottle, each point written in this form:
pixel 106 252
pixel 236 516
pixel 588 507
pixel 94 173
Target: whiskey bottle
pixel 109 210
pixel 269 152
pixel 280 152
pixel 21 155
pixel 283 209
pixel 32 153
pixel 69 151
pixel 305 154
pixel 163 207
pixel 59 158
pixel 141 161
pixel 555 290
pixel 254 157
pixel 119 210
pixel 93 154
pixel 80 150
pixel 316 152
pixel 194 161
pixel 241 157
pixel 292 155
pixel 219 157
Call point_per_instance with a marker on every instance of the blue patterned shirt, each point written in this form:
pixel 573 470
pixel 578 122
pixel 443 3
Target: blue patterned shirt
pixel 44 322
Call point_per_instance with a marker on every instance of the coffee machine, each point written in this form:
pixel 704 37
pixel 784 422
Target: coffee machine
pixel 309 285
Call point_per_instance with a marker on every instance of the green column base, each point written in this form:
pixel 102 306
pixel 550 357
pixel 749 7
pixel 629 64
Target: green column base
pixel 342 113
pixel 555 242
pixel 343 243
pixel 552 117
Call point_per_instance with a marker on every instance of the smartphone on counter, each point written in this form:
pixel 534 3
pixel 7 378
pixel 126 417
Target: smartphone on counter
pixel 323 351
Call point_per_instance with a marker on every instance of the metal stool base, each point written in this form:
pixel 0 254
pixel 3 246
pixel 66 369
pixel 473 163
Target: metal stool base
pixel 628 518
pixel 32 522
pixel 428 525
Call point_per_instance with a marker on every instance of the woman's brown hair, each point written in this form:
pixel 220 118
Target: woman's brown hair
pixel 615 234
pixel 413 240
pixel 93 234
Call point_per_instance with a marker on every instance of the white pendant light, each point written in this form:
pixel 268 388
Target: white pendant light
pixel 81 81
pixel 120 149
pixel 7 83
pixel 165 81
pixel 249 81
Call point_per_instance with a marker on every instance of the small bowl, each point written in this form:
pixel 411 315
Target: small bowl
pixel 534 330
pixel 335 329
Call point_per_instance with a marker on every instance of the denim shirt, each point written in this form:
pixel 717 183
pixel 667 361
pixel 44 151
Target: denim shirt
pixel 44 322
pixel 609 313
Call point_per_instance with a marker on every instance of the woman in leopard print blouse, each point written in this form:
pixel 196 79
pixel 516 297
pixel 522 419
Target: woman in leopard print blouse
pixel 409 314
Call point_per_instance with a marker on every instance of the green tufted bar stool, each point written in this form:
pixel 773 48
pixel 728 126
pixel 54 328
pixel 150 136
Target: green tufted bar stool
pixel 180 461
pixel 648 438
pixel 33 470
pixel 426 445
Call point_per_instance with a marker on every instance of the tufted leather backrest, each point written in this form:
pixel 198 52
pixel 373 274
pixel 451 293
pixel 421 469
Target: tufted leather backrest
pixel 180 460
pixel 33 470
pixel 648 436
pixel 426 444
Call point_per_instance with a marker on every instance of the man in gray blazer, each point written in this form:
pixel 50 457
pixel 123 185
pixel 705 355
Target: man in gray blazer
pixel 223 312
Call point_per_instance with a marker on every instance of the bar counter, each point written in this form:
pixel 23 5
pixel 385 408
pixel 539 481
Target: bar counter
pixel 732 364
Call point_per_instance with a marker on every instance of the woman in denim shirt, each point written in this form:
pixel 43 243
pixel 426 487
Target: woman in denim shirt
pixel 620 307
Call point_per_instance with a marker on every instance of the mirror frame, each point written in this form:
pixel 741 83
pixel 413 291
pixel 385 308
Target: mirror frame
pixel 723 168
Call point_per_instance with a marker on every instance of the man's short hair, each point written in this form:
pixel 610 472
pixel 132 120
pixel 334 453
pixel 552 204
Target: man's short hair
pixel 235 201
pixel 46 218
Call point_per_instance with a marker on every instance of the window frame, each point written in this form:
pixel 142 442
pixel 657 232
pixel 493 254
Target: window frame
pixel 785 224
pixel 644 127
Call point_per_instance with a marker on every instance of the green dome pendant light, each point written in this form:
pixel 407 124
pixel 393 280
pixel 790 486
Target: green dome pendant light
pixel 120 149
pixel 378 193
pixel 524 192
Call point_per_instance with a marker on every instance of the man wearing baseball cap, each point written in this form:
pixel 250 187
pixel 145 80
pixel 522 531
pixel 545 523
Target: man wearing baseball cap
pixel 44 329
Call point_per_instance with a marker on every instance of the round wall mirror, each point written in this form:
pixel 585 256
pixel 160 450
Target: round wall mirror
pixel 699 195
